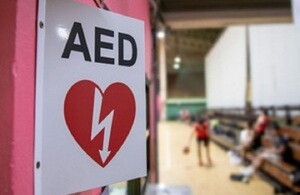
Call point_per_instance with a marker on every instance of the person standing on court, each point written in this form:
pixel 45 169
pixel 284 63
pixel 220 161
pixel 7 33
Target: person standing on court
pixel 201 131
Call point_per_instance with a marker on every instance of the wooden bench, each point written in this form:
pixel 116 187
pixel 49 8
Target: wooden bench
pixel 280 171
pixel 296 150
pixel 292 132
pixel 223 141
pixel 281 114
pixel 239 125
pixel 232 121
pixel 296 120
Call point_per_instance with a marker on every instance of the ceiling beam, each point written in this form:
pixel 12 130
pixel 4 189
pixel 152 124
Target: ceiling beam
pixel 224 18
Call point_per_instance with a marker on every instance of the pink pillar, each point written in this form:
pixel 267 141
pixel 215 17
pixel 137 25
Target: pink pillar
pixel 17 87
pixel 18 37
pixel 6 92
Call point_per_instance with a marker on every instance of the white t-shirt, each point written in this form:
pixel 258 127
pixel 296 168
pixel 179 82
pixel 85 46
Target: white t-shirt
pixel 245 135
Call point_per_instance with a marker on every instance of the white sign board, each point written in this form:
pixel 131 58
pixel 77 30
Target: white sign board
pixel 90 98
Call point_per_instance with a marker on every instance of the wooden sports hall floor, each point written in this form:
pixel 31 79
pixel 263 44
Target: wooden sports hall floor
pixel 175 168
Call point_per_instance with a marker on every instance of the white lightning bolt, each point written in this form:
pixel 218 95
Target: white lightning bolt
pixel 104 125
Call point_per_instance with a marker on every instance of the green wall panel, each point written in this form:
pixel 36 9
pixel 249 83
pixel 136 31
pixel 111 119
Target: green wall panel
pixel 175 105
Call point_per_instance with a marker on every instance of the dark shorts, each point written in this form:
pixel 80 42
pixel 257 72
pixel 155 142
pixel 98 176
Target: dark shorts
pixel 256 143
pixel 204 140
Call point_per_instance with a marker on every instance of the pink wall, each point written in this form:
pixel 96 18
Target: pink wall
pixel 7 10
pixel 17 95
pixel 17 77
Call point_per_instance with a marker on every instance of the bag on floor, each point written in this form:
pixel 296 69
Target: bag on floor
pixel 236 177
pixel 234 159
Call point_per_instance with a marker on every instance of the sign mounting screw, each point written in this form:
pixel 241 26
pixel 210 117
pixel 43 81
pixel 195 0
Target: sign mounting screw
pixel 41 24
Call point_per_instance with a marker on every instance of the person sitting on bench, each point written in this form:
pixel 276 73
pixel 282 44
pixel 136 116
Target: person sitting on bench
pixel 279 150
pixel 246 138
pixel 261 124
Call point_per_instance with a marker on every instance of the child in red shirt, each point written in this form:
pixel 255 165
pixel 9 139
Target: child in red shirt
pixel 262 122
pixel 201 130
pixel 261 125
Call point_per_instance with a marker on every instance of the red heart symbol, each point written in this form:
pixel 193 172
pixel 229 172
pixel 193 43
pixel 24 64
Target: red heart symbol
pixel 99 121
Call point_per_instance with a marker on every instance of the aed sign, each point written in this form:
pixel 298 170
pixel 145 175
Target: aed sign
pixel 90 98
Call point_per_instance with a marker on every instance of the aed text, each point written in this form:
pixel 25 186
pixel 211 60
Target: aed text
pixel 100 45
